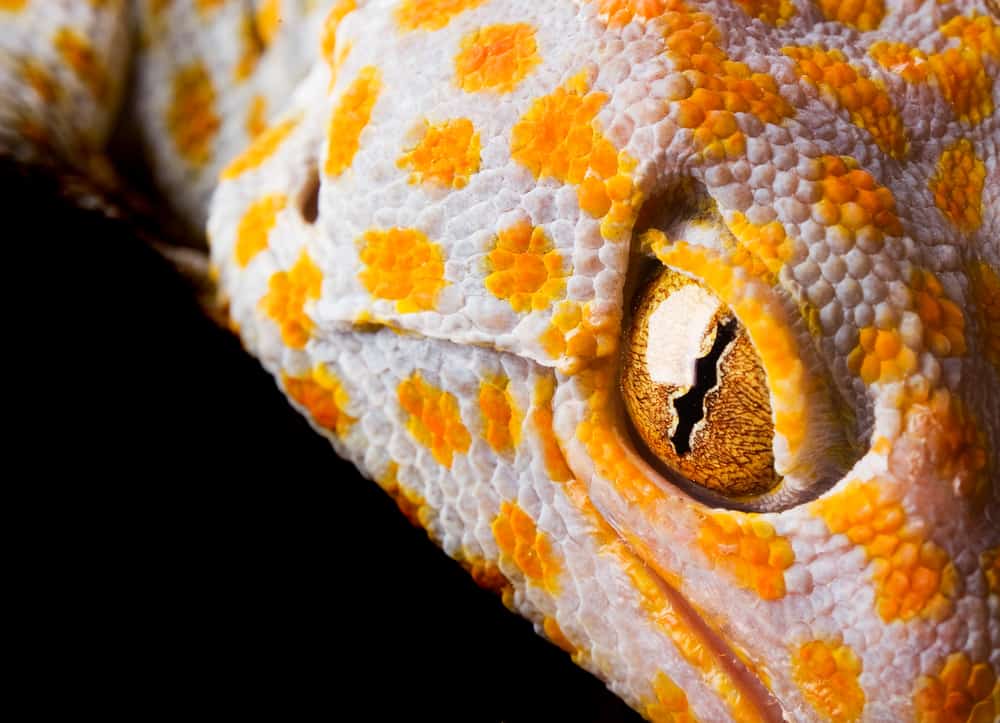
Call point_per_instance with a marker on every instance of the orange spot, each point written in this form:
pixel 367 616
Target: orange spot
pixel 991 568
pixel 985 288
pixel 776 12
pixel 541 418
pixel 41 81
pixel 525 269
pixel 500 412
pixel 12 5
pixel 286 298
pixel 206 6
pixel 77 52
pixel 252 49
pixel 881 356
pixel 863 15
pixel 402 265
pixel 912 575
pixel 430 14
pixel 957 185
pixel 413 506
pixel 255 227
pixel 749 549
pixel 763 250
pixel 864 99
pixel 447 155
pixel 827 674
pixel 621 12
pixel 554 633
pixel 559 137
pixel 959 71
pixel 323 396
pixel 262 148
pixel 256 122
pixel 350 118
pixel 191 116
pixel 527 547
pixel 943 321
pixel 268 20
pixel 671 705
pixel 962 692
pixel 435 420
pixel 571 334
pixel 496 57
pixel 328 39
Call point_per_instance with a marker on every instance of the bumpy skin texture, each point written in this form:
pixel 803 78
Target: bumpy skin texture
pixel 430 245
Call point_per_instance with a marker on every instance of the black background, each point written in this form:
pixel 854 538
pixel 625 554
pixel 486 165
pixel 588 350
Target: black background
pixel 192 546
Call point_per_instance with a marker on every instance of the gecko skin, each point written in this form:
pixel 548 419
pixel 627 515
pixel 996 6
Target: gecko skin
pixel 427 218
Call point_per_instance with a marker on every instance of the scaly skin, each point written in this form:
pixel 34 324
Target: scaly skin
pixel 448 309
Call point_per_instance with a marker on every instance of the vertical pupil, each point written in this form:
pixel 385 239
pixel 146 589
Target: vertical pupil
pixel 691 406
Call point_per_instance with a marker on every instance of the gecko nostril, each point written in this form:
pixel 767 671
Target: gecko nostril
pixel 308 201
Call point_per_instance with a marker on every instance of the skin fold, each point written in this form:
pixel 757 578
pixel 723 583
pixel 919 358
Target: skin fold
pixel 431 221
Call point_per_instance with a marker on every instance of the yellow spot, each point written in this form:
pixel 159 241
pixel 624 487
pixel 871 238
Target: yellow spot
pixel 413 506
pixel 571 334
pixel 431 14
pixel 881 356
pixel 853 200
pixel 350 118
pixel 496 57
pixel 268 20
pixel 12 5
pixel 943 322
pixel 959 71
pixel 541 419
pixel 991 568
pixel 621 12
pixel 252 49
pixel 559 137
pixel 957 185
pixel 763 249
pixel 447 155
pixel 323 396
pixel 864 99
pixel 525 269
pixel 554 633
pixel 500 412
pixel 952 439
pixel 328 39
pixel 41 81
pixel 827 674
pixel 749 549
pixel 985 287
pixel 776 12
pixel 286 298
pixel 402 265
pixel 191 116
pixel 435 420
pixel 671 705
pixel 206 6
pixel 912 575
pixel 962 692
pixel 255 227
pixel 527 547
pixel 256 122
pixel 861 14
pixel 262 148
pixel 77 52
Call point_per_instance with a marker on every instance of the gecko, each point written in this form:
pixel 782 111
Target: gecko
pixel 675 322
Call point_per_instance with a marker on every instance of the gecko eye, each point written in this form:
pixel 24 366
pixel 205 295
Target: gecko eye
pixel 695 389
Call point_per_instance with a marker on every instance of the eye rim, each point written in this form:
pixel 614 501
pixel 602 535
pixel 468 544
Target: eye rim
pixel 648 293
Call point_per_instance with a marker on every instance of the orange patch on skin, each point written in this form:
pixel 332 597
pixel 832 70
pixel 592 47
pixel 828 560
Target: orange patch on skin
pixel 430 14
pixel 555 634
pixel 328 39
pixel 559 137
pixel 323 396
pixel 205 6
pixel 12 5
pixel 252 49
pixel 957 185
pixel 912 575
pixel 985 287
pixel 529 548
pixel 286 298
pixel 853 200
pixel 827 674
pixel 402 265
pixel 775 12
pixel 749 549
pixel 255 227
pixel 268 20
pixel 487 575
pixel 525 269
pixel 77 52
pixel 958 71
pixel 447 155
pixel 191 117
pixel 864 99
pixel 764 249
pixel 350 118
pixel 496 57
pixel 962 692
pixel 435 420
pixel 500 412
pixel 863 15
pixel 621 12
pixel 413 506
pixel 943 321
pixel 541 419
pixel 262 148
pixel 572 337
pixel 41 81
pixel 881 356
pixel 671 704
pixel 991 568
pixel 256 122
